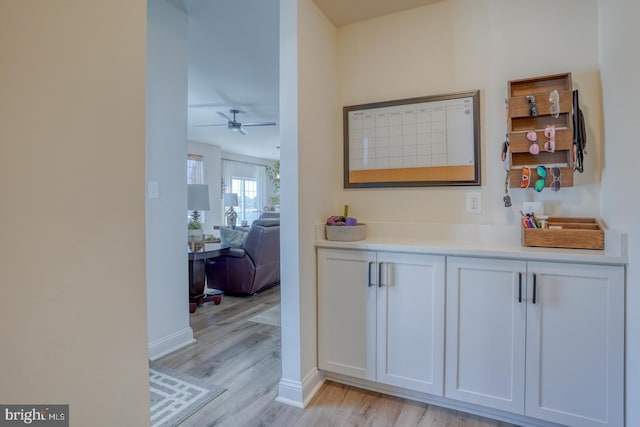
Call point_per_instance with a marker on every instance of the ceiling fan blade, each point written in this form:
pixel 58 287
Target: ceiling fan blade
pixel 259 124
pixel 242 131
pixel 199 126
pixel 225 116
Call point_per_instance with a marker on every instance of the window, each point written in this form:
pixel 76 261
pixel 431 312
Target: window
pixel 195 175
pixel 249 181
pixel 247 191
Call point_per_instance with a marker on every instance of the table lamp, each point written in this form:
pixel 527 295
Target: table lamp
pixel 197 200
pixel 231 200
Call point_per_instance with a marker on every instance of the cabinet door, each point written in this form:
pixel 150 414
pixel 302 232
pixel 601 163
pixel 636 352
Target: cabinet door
pixel 485 341
pixel 575 344
pixel 346 312
pixel 411 321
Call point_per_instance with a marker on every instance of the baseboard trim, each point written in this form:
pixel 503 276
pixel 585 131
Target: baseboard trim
pixel 300 393
pixel 439 401
pixel 170 343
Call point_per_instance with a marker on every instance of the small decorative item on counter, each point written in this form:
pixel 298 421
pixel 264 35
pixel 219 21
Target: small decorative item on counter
pixel 543 221
pixel 530 221
pixel 345 228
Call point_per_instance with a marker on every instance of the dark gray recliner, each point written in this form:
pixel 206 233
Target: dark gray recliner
pixel 270 215
pixel 252 268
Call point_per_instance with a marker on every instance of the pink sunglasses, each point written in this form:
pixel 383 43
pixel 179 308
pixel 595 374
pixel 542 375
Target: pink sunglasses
pixel 533 137
pixel 550 132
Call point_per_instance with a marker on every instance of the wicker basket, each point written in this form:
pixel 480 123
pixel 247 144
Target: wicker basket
pixel 346 233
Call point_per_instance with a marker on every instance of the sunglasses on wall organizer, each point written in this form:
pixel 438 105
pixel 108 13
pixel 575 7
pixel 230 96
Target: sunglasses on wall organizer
pixel 542 174
pixel 555 175
pixel 533 108
pixel 539 184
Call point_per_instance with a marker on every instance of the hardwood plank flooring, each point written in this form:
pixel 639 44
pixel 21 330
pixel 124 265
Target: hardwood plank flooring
pixel 244 357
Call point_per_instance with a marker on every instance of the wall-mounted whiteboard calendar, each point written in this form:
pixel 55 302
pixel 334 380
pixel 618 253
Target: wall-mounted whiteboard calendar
pixel 426 141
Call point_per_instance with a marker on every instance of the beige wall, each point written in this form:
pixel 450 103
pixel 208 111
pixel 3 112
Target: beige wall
pixel 317 96
pixel 308 99
pixel 72 254
pixel 451 46
pixel 462 45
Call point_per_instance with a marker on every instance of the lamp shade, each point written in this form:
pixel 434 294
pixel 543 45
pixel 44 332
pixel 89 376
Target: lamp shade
pixel 230 199
pixel 198 197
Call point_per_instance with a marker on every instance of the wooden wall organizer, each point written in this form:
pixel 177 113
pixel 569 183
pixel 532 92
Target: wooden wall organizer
pixel 520 122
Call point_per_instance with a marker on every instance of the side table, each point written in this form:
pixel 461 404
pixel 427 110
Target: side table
pixel 197 293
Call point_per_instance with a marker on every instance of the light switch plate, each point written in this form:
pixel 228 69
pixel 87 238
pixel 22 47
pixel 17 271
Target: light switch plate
pixel 153 189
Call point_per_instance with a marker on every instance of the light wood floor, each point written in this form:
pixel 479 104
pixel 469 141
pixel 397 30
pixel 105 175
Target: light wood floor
pixel 244 358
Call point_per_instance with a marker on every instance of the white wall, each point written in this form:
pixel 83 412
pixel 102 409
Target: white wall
pixel 72 263
pixel 166 148
pixel 212 174
pixel 290 389
pixel 462 45
pixel 619 35
pixel 308 124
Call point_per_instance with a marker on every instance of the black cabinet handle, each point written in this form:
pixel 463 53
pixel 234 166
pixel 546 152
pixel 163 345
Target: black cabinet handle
pixel 370 264
pixel 380 284
pixel 520 287
pixel 534 288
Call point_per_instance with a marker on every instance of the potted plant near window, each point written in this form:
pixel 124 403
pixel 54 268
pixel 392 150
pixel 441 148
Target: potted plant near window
pixel 273 172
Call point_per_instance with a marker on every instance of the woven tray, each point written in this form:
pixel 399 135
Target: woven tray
pixel 346 233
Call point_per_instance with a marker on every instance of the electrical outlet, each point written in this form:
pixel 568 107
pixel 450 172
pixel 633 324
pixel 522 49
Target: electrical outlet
pixel 474 202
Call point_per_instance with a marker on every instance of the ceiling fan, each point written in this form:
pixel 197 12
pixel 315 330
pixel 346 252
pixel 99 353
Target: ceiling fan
pixel 235 126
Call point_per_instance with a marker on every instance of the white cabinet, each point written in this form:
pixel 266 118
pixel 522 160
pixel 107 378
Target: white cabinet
pixel 346 312
pixel 575 344
pixel 410 321
pixel 381 317
pixel 485 341
pixel 537 338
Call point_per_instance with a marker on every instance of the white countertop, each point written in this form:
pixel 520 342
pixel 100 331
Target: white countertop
pixel 489 241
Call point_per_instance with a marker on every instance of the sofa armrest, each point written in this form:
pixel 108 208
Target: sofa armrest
pixel 236 253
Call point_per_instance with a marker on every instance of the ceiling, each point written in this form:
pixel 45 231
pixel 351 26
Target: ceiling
pixel 345 12
pixel 234 63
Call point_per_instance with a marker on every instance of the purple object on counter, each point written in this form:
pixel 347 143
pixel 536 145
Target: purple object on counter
pixel 351 221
